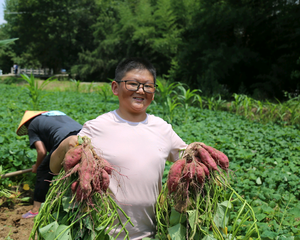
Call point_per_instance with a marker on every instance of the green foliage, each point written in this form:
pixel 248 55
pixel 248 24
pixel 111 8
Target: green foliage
pixel 76 83
pixel 167 97
pixel 263 157
pixel 232 42
pixel 218 212
pixel 51 33
pixel 282 113
pixel 296 73
pixel 125 29
pixel 35 91
pixel 12 80
pixel 62 217
pixel 7 41
pixel 221 47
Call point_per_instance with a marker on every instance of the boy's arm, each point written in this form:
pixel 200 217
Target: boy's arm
pixel 59 154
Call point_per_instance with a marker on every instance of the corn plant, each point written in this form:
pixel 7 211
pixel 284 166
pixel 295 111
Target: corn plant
pixel 169 106
pixel 76 83
pixel 187 97
pixel 237 101
pixel 90 86
pixel 105 91
pixel 200 100
pixel 165 90
pixel 167 98
pixel 293 108
pixel 35 91
pixel 214 103
pixel 271 110
pixel 259 108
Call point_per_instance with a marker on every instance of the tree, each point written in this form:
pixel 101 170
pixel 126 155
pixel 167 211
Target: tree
pixel 234 43
pixel 51 32
pixel 132 28
pixel 6 52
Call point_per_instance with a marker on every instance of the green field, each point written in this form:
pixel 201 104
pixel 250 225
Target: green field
pixel 264 158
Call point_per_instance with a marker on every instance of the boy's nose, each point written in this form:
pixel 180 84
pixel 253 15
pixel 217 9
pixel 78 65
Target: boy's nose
pixel 141 88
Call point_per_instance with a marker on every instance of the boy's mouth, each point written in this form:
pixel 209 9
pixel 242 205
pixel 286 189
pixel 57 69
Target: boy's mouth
pixel 138 98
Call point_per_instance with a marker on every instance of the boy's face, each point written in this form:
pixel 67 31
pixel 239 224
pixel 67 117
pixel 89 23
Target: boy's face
pixel 134 102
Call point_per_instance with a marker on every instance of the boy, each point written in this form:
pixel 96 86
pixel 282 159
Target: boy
pixel 132 140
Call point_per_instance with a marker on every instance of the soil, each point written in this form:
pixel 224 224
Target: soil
pixel 12 225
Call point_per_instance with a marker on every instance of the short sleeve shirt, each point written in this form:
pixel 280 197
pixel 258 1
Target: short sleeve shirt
pixel 51 130
pixel 139 152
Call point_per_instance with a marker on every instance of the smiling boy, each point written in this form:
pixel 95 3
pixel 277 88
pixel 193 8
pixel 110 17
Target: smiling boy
pixel 137 143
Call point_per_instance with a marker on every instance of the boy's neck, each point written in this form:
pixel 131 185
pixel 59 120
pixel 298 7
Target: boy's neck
pixel 132 117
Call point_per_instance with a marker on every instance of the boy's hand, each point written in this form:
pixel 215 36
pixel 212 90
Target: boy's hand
pixel 59 154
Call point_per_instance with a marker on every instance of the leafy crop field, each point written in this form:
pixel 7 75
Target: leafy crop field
pixel 264 158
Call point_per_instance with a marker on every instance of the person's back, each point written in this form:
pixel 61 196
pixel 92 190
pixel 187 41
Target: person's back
pixel 51 130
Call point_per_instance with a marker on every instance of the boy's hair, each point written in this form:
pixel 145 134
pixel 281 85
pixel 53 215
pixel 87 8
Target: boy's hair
pixel 133 63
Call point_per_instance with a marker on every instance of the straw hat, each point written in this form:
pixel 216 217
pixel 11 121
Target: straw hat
pixel 22 129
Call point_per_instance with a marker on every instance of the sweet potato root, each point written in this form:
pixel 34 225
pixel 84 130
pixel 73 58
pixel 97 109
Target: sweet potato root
pixel 175 174
pixel 220 158
pixel 72 158
pixel 206 159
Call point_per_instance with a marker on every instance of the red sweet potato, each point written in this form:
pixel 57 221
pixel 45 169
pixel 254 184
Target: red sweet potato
pixel 93 171
pixel 105 165
pixel 81 195
pixel 189 171
pixel 175 175
pixel 100 182
pixel 96 184
pixel 200 175
pixel 86 171
pixel 205 169
pixel 206 159
pixel 74 186
pixel 220 158
pixel 72 157
pixel 104 180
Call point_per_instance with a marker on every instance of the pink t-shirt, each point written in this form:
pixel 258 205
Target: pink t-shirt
pixel 139 150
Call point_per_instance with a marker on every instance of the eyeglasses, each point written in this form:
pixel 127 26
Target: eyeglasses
pixel 132 85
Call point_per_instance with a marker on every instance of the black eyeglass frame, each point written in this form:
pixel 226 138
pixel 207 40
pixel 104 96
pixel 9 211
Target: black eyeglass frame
pixel 155 85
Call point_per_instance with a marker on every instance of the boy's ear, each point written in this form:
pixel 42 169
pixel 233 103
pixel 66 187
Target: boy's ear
pixel 115 88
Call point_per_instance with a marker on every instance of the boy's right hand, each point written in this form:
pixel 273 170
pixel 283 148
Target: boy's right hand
pixel 59 154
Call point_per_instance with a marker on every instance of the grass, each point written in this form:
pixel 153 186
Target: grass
pixel 60 86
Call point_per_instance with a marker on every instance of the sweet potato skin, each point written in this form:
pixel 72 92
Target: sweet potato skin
pixel 72 157
pixel 104 180
pixel 86 172
pixel 200 175
pixel 189 171
pixel 220 158
pixel 74 186
pixel 175 174
pixel 206 159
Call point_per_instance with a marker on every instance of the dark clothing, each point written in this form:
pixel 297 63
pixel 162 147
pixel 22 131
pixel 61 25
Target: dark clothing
pixel 51 130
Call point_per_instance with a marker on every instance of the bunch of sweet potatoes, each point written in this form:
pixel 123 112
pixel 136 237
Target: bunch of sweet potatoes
pixel 197 165
pixel 92 171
